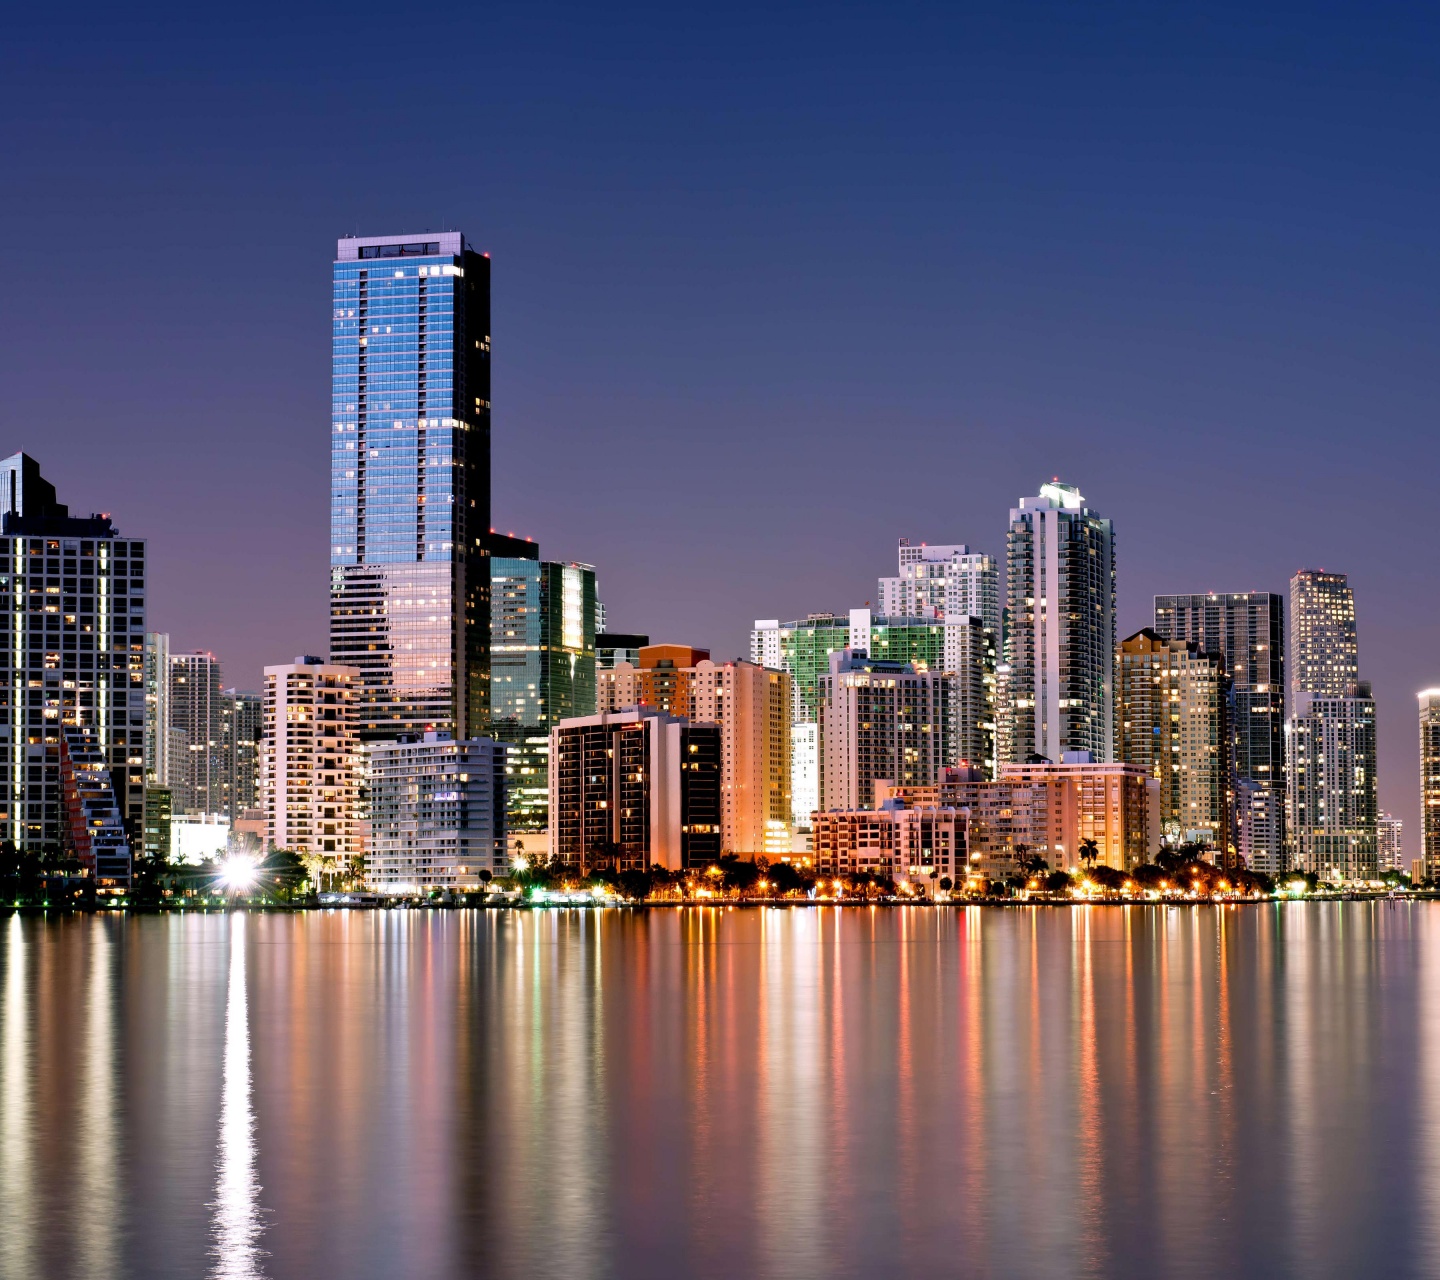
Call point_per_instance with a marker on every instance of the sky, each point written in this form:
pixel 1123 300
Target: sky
pixel 773 286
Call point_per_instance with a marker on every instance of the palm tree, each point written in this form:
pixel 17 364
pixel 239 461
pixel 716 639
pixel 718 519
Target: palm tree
pixel 1089 851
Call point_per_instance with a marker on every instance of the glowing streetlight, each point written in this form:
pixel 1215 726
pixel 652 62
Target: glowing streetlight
pixel 239 873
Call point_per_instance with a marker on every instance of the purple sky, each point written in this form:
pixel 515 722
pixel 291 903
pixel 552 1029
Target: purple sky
pixel 771 289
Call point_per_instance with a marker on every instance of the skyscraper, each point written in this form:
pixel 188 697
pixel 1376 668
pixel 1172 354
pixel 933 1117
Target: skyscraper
pixel 1247 629
pixel 72 652
pixel 1331 775
pixel 1323 651
pixel 943 581
pixel 410 481
pixel 197 766
pixel 1430 782
pixel 542 664
pixel 1172 717
pixel 1060 626
pixel 157 709
pixel 242 727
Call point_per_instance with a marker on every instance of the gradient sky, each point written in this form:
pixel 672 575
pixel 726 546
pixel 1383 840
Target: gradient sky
pixel 773 287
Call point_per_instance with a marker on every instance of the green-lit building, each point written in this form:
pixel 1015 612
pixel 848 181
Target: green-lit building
pixel 542 665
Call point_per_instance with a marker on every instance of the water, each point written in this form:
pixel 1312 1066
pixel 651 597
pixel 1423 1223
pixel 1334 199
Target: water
pixel 1143 1091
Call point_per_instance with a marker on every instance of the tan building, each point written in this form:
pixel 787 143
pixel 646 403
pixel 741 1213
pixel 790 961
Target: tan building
pixel 917 846
pixel 751 705
pixel 1173 725
pixel 310 759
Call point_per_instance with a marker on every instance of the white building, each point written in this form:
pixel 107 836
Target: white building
pixel 1060 632
pixel 1259 826
pixel 943 581
pixel 437 813
pixel 311 760
pixel 1331 775
pixel 198 837
pixel 1390 832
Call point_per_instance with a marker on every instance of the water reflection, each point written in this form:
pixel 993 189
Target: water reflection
pixel 17 1142
pixel 237 1222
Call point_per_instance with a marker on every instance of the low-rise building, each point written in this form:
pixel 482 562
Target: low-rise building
pixel 916 846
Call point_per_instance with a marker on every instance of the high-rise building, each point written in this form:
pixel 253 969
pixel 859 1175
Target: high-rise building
pixel 72 652
pixel 94 829
pixel 1247 629
pixel 1390 843
pixel 1060 626
pixel 1331 775
pixel 1430 782
pixel 943 581
pixel 634 789
pixel 1323 652
pixel 1173 723
pixel 242 727
pixel 310 758
pixel 614 647
pixel 437 813
pixel 542 664
pixel 802 648
pixel 879 720
pixel 157 710
pixel 751 706
pixel 410 481
pixel 1260 826
pixel 197 768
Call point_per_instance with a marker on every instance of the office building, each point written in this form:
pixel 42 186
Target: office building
pixel 437 813
pixel 1060 626
pixel 72 652
pixel 309 759
pixel 751 705
pixel 1390 844
pixel 634 789
pixel 242 727
pixel 1331 774
pixel 1248 630
pixel 94 832
pixel 1430 782
pixel 197 765
pixel 878 720
pixel 542 664
pixel 1173 708
pixel 410 481
pixel 943 581
pixel 1323 651
pixel 614 647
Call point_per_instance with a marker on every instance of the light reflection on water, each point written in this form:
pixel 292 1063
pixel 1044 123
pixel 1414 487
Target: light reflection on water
pixel 1096 1091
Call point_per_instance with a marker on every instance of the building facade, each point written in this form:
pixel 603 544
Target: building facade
pixel 1323 649
pixel 542 664
pixel 94 828
pixel 1390 844
pixel 437 813
pixel 157 709
pixel 410 481
pixel 1060 626
pixel 878 720
pixel 1248 630
pixel 1332 796
pixel 943 581
pixel 1173 704
pixel 614 647
pixel 72 652
pixel 635 789
pixel 310 759
pixel 1430 782
pixel 242 729
pixel 197 772
pixel 916 846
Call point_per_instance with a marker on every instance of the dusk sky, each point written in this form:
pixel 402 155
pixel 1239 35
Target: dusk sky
pixel 773 287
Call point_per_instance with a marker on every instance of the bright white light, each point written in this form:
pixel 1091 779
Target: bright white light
pixel 239 873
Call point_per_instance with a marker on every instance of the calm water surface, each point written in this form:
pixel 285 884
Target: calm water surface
pixel 1136 1091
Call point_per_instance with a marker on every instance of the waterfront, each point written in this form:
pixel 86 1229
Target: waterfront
pixel 1196 1090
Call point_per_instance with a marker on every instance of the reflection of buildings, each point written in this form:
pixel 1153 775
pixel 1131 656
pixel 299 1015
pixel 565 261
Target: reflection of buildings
pixel 72 593
pixel 309 763
pixel 750 705
pixel 1173 725
pixel 410 481
pixel 542 664
pixel 632 789
pixel 437 813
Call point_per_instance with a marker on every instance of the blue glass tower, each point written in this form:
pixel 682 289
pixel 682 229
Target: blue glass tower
pixel 410 481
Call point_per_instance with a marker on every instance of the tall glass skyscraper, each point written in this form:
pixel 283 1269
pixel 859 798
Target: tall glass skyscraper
pixel 410 481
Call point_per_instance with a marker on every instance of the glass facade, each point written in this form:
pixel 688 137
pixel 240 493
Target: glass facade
pixel 410 481
pixel 542 637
